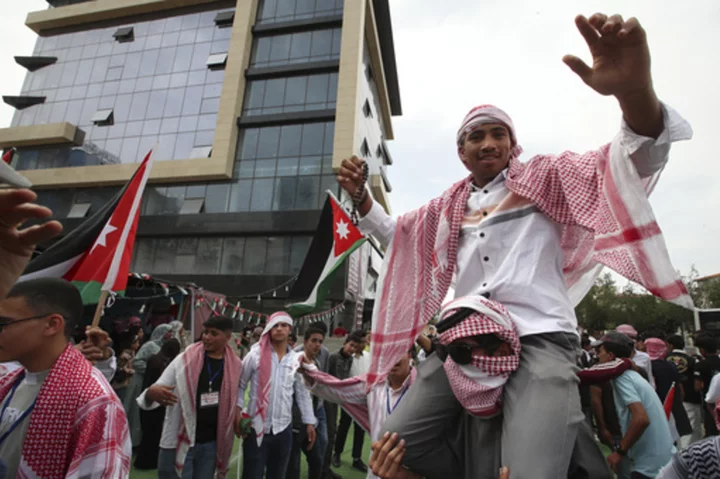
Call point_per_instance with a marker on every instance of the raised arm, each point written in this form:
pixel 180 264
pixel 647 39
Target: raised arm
pixel 332 389
pixel 375 221
pixel 621 68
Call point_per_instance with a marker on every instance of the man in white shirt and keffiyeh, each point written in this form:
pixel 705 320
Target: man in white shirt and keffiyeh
pixel 533 237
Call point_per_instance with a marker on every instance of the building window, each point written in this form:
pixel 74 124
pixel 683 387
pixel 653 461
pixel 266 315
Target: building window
pixel 369 73
pixel 281 255
pixel 292 94
pixel 103 117
pixel 367 111
pixel 270 11
pixel 192 206
pixel 217 61
pixel 124 34
pixel 224 19
pixel 79 210
pixel 294 48
pixel 201 152
pixel 365 149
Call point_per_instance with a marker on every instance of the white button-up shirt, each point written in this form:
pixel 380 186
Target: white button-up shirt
pixel 285 384
pixel 381 401
pixel 514 256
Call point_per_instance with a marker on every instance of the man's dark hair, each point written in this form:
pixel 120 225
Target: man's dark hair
pixel 248 330
pixel 707 342
pixel 358 336
pixel 676 341
pixel 321 326
pixel 585 340
pixel 170 348
pixel 313 330
pixel 223 323
pixel 52 296
pixel 292 337
pixel 619 350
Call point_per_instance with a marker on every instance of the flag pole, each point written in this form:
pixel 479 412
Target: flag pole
pixel 99 309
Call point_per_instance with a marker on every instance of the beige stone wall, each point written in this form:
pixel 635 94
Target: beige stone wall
pixel 34 135
pixel 89 12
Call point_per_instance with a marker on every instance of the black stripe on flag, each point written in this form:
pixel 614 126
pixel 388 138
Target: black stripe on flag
pixel 77 241
pixel 320 250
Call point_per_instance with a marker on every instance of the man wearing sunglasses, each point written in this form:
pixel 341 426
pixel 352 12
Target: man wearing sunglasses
pixel 58 414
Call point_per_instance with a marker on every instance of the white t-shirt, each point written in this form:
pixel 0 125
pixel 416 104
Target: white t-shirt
pixel 713 393
pixel 360 364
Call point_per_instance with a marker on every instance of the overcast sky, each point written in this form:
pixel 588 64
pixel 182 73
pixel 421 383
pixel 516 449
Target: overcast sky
pixel 454 55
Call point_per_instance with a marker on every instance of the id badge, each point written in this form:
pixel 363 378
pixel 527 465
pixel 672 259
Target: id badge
pixel 209 399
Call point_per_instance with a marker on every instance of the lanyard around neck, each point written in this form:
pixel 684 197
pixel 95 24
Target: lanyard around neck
pixel 387 397
pixel 210 373
pixel 22 417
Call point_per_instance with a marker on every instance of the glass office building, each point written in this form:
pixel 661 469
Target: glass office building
pixel 250 105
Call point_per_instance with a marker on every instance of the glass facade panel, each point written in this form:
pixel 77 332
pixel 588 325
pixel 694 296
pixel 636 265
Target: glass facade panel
pixel 160 75
pixel 294 48
pixel 285 95
pixel 287 10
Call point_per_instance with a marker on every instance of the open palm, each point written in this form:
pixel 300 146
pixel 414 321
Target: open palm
pixel 621 58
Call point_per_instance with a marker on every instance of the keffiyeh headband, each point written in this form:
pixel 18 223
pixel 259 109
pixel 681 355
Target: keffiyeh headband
pixel 482 115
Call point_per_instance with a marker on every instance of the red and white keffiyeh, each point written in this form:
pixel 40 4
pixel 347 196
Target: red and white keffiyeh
pixel 78 427
pixel 656 348
pixel 598 197
pixel 193 359
pixel 265 373
pixel 478 386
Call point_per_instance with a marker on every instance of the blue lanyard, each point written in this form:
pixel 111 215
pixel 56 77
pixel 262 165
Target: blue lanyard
pixel 22 416
pixel 387 396
pixel 210 373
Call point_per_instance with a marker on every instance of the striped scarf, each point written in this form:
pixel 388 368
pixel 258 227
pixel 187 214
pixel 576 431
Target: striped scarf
pixel 187 379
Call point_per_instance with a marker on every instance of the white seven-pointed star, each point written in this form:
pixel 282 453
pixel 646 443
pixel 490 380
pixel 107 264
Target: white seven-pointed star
pixel 342 229
pixel 102 237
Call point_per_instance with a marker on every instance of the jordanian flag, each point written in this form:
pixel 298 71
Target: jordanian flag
pixel 335 239
pixel 96 255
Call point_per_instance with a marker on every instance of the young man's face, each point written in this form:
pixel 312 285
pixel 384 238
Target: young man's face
pixel 603 355
pixel 214 340
pixel 401 368
pixel 360 347
pixel 350 347
pixel 280 332
pixel 19 340
pixel 313 344
pixel 485 151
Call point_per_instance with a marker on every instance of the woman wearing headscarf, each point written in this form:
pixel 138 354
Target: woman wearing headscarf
pixel 127 350
pixel 178 332
pixel 158 337
pixel 152 421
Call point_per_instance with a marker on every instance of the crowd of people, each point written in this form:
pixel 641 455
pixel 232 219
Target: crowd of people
pixel 504 385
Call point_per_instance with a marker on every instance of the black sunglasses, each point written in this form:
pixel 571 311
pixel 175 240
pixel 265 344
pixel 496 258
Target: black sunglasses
pixel 5 321
pixel 462 353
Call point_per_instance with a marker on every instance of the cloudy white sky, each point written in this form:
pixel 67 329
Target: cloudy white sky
pixel 456 54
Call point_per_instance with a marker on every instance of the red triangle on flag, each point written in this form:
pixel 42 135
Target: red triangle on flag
pixel 345 233
pixel 116 238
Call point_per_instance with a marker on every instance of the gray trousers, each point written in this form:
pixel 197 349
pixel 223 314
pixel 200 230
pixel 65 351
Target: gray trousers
pixel 541 433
